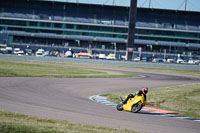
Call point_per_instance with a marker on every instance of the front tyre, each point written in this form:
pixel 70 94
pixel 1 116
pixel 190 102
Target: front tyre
pixel 136 108
pixel 119 107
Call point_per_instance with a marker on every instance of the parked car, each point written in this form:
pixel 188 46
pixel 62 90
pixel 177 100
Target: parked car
pixel 16 51
pixel 28 51
pixel 83 55
pixel 191 61
pixel 144 59
pixel 197 62
pixel 102 56
pixel 9 50
pixel 137 59
pixel 3 48
pixel 180 61
pixel 40 52
pixel 19 52
pixel 54 53
pixel 68 54
pixel 157 60
pixel 170 60
pixel 111 57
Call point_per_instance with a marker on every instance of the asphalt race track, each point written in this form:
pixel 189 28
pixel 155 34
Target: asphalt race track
pixel 68 99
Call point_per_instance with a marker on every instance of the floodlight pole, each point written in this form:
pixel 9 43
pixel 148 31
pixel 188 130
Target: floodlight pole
pixel 131 29
pixel 185 5
pixel 149 3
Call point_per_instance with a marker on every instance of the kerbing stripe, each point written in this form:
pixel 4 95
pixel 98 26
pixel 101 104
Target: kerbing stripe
pixel 103 100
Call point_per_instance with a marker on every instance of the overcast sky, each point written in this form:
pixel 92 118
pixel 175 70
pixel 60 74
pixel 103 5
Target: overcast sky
pixel 192 5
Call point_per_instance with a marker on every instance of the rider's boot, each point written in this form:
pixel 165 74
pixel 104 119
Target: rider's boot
pixel 125 101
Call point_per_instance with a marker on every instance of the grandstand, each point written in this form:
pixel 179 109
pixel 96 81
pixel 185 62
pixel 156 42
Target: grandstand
pixel 100 27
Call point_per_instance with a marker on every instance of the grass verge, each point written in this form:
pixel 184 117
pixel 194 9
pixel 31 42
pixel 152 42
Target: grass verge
pixel 142 69
pixel 17 123
pixel 28 69
pixel 168 70
pixel 182 99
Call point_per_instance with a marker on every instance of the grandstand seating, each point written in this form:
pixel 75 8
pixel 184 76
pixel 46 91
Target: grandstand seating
pixel 98 19
pixel 180 27
pixel 193 27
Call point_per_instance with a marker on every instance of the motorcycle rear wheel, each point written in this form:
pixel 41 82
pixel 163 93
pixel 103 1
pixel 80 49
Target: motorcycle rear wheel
pixel 119 107
pixel 136 108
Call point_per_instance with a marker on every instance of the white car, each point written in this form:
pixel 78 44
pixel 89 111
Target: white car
pixel 40 53
pixel 16 51
pixel 68 54
pixel 136 59
pixel 170 61
pixel 102 56
pixel 157 60
pixel 9 50
pixel 191 61
pixel 3 48
pixel 19 52
pixel 197 62
pixel 180 61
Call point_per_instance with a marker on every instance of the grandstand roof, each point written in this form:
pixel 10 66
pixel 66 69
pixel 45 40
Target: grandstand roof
pixel 191 5
pixel 109 5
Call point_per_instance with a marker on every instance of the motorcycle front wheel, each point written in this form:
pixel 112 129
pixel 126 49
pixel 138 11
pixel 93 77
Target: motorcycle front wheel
pixel 136 108
pixel 119 107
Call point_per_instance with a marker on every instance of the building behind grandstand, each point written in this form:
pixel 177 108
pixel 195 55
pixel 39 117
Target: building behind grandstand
pixel 53 24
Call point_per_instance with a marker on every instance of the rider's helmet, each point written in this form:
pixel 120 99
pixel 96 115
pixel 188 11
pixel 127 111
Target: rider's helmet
pixel 145 90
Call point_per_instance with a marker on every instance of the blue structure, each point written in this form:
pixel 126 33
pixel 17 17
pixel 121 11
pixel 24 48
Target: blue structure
pixel 3 38
pixel 63 24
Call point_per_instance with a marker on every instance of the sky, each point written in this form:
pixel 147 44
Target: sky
pixel 192 5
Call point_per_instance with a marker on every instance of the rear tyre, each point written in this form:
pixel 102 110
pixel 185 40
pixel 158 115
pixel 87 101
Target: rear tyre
pixel 136 108
pixel 119 107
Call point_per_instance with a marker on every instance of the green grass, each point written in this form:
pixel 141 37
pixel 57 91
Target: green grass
pixel 182 99
pixel 168 70
pixel 29 69
pixel 17 123
pixel 143 69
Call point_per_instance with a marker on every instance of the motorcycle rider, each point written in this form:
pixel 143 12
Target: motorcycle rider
pixel 144 91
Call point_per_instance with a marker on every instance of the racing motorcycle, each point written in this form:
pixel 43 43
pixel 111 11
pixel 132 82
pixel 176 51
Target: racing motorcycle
pixel 133 104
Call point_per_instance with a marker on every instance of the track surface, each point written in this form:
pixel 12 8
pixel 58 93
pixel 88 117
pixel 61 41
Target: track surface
pixel 68 99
